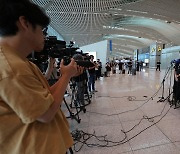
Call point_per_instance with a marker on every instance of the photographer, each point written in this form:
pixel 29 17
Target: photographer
pixel 176 86
pixel 31 120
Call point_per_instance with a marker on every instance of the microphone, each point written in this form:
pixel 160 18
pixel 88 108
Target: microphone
pixel 178 61
pixel 175 61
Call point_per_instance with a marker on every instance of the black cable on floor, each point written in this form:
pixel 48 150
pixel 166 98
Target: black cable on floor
pixel 132 97
pixel 129 98
pixel 151 98
pixel 82 137
pixel 151 119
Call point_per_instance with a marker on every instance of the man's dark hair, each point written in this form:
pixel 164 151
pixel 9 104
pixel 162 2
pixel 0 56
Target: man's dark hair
pixel 11 10
pixel 78 57
pixel 91 56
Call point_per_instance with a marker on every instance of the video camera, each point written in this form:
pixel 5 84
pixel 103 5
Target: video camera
pixel 58 49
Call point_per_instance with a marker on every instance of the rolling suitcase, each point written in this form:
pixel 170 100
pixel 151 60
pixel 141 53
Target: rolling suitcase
pixel 133 71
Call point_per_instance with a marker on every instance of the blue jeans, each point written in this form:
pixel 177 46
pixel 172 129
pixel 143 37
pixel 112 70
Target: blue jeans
pixel 91 82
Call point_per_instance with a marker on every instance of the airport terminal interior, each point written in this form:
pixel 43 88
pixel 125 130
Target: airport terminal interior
pixel 125 102
pixel 134 107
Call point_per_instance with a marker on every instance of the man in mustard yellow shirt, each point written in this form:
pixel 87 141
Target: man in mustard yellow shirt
pixel 31 121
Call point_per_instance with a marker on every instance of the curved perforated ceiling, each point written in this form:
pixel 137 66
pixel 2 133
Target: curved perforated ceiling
pixel 130 24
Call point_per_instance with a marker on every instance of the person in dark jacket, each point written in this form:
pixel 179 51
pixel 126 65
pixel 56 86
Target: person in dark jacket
pixel 158 66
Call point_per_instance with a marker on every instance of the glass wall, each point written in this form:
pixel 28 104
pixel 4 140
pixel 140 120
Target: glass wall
pixel 143 57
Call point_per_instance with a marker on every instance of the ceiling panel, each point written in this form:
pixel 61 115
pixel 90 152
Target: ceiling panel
pixel 130 24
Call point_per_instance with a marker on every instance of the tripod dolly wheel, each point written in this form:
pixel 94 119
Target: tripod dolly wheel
pixel 79 120
pixel 84 110
pixel 72 114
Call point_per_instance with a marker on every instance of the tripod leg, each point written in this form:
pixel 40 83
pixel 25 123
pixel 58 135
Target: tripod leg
pixel 89 100
pixel 72 115
pixel 87 93
pixel 76 103
pixel 162 97
pixel 71 151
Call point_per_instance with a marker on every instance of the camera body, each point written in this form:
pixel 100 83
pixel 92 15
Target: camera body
pixel 58 49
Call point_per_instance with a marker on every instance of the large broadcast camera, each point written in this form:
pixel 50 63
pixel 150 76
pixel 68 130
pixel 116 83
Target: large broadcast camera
pixel 58 49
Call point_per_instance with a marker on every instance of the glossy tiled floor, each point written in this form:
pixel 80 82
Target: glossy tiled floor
pixel 162 137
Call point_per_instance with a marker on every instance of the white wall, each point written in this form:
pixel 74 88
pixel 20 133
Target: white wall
pixel 101 51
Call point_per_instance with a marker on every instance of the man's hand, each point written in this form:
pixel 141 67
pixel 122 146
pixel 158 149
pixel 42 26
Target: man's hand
pixel 71 69
pixel 80 70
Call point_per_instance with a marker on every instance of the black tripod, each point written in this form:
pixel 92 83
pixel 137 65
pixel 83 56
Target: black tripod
pixel 71 151
pixel 71 114
pixel 86 94
pixel 162 97
pixel 76 100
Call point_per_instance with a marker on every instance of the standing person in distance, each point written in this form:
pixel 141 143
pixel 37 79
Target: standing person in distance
pixel 158 66
pixel 99 68
pixel 141 65
pixel 30 115
pixel 108 69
